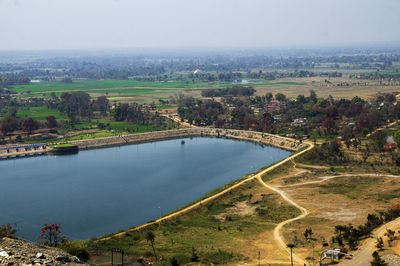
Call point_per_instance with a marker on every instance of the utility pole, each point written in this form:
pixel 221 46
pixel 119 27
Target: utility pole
pixel 291 246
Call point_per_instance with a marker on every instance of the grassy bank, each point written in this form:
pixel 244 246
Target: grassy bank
pixel 212 230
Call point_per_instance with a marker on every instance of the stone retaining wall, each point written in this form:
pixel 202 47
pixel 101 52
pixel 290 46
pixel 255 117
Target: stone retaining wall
pixel 273 140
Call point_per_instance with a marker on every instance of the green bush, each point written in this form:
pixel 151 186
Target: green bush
pixel 219 257
pixel 76 248
pixel 180 259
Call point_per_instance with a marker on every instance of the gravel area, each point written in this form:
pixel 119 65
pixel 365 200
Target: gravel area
pixel 392 260
pixel 18 252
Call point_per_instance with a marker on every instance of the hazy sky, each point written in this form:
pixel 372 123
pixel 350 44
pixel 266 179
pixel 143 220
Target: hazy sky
pixel 75 24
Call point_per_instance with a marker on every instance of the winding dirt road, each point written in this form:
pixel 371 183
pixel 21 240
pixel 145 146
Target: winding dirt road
pixel 363 256
pixel 277 230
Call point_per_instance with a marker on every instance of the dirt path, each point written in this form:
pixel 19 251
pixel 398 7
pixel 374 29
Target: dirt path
pixel 382 128
pixel 311 166
pixel 328 177
pixel 277 230
pixel 365 252
pixel 176 119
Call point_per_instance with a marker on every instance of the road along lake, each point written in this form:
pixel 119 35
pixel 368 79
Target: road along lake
pixel 100 191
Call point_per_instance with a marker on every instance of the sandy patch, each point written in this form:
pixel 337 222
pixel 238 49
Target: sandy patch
pixel 241 209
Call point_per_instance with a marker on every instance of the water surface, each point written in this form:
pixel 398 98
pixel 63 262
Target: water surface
pixel 100 191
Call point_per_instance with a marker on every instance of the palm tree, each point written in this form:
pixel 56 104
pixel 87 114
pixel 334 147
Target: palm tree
pixel 291 246
pixel 150 237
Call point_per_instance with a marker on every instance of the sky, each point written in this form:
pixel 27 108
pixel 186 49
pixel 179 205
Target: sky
pixel 129 24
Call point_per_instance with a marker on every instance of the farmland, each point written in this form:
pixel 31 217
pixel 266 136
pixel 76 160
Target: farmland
pixel 38 113
pixel 147 92
pixel 132 90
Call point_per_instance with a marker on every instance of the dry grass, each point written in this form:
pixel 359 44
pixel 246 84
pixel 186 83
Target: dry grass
pixel 341 201
pixel 361 88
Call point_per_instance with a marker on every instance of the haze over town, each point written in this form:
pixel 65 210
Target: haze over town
pixel 76 24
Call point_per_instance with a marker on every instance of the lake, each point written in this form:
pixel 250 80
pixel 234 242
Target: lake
pixel 100 191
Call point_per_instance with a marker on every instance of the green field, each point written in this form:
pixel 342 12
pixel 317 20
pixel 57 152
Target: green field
pixel 37 113
pixel 129 88
pixel 103 85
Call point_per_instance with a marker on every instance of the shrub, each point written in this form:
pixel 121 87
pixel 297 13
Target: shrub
pixel 180 259
pixel 52 235
pixel 220 257
pixel 76 248
pixel 7 230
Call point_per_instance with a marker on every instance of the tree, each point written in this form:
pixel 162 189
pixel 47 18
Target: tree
pixel 301 99
pixel 379 140
pixel 102 104
pixel 52 234
pixel 150 237
pixel 30 125
pixel 379 243
pixel 219 123
pixel 174 261
pixel 330 125
pixel 280 97
pixel 377 261
pixel 390 234
pixel 76 104
pixel 353 242
pixel 339 229
pixel 9 124
pixel 291 246
pixel 331 111
pixel 268 97
pixel 51 121
pixel 313 96
pixel 195 256
pixel 308 233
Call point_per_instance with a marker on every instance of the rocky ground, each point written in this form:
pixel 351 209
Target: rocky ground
pixel 392 260
pixel 18 252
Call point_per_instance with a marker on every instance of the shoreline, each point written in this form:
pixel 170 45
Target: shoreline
pixel 115 141
pixel 296 147
pixel 264 138
pixel 256 175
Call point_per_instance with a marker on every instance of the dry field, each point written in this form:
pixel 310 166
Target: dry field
pixel 339 201
pixel 350 88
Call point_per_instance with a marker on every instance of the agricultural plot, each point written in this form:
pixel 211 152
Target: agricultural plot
pixel 131 90
pixel 109 84
pixel 37 113
pixel 146 92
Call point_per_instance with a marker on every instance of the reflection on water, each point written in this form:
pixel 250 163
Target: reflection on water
pixel 105 190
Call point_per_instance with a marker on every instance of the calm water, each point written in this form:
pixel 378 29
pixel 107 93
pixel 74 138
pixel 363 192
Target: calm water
pixel 100 191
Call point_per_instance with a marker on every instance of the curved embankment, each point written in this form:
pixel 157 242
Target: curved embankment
pixel 365 252
pixel 264 138
pixel 195 205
